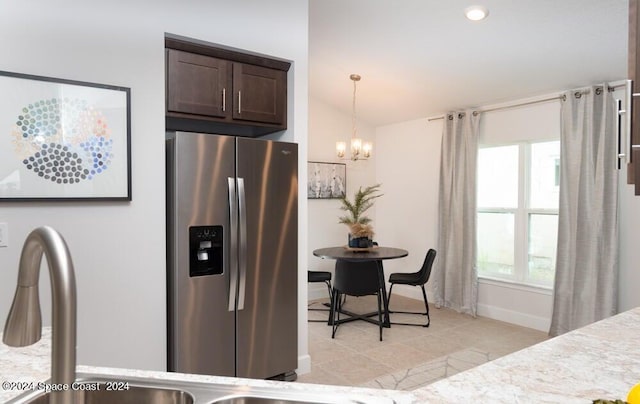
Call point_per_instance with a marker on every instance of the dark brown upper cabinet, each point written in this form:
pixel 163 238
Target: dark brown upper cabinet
pixel 633 168
pixel 261 94
pixel 217 90
pixel 197 84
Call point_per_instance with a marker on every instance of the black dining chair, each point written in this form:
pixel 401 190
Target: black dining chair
pixel 355 279
pixel 320 277
pixel 414 279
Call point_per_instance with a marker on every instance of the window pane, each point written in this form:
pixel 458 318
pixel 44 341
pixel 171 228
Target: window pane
pixel 543 235
pixel 498 177
pixel 545 175
pixel 495 243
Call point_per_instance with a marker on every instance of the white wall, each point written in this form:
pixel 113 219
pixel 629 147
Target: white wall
pixel 119 248
pixel 408 166
pixel 327 125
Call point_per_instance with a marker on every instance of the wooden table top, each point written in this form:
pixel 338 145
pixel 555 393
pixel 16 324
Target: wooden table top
pixel 375 254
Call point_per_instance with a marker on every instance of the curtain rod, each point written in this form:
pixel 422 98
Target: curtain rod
pixel 558 97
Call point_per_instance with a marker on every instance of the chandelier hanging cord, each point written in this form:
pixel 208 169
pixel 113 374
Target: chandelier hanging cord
pixel 354 129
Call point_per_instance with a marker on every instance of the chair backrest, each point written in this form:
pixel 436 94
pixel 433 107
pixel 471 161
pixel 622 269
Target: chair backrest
pixel 356 278
pixel 425 271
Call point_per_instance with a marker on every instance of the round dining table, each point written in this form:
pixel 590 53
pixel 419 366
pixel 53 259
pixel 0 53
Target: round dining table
pixel 376 253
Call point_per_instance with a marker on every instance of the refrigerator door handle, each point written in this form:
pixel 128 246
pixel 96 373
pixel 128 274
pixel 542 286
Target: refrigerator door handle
pixel 242 256
pixel 233 244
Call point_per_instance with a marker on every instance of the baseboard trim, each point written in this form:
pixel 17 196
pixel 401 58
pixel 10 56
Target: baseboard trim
pixel 514 317
pixel 484 310
pixel 493 312
pixel 304 364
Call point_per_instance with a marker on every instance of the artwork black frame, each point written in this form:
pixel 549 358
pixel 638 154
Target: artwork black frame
pixel 63 140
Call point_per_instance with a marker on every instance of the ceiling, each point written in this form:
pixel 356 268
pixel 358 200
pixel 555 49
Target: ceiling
pixel 420 58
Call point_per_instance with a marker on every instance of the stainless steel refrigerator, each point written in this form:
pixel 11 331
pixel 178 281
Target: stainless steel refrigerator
pixel 232 219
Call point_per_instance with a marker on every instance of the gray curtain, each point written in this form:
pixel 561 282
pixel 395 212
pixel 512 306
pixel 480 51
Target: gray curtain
pixel 455 278
pixel 586 283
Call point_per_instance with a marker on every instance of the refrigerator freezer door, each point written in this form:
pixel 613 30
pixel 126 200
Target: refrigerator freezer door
pixel 201 336
pixel 267 324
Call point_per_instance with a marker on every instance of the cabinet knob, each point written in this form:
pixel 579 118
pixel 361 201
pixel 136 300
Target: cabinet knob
pixel 240 102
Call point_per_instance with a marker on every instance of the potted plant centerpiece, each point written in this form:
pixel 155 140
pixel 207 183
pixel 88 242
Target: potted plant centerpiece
pixel 360 229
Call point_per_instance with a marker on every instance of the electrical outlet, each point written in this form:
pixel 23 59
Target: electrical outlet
pixel 4 235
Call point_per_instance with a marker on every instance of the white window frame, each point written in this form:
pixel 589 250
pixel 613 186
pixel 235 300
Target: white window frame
pixel 522 214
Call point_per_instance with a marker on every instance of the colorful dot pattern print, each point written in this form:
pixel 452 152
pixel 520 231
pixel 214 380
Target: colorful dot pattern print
pixel 62 140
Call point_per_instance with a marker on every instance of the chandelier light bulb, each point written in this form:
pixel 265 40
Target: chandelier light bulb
pixel 356 146
pixel 366 149
pixel 341 148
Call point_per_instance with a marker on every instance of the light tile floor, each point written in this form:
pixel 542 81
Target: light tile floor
pixel 355 357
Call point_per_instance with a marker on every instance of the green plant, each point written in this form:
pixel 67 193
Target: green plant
pixel 356 220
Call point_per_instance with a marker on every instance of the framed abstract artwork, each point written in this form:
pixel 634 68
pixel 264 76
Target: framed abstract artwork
pixel 63 140
pixel 326 180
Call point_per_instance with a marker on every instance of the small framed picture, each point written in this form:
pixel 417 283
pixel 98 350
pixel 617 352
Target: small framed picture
pixel 63 140
pixel 326 180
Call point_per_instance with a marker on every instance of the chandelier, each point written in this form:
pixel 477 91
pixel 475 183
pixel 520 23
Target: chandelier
pixel 359 149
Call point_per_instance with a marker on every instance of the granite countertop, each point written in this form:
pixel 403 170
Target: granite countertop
pixel 601 360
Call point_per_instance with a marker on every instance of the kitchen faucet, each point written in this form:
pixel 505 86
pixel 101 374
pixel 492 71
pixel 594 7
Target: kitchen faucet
pixel 24 323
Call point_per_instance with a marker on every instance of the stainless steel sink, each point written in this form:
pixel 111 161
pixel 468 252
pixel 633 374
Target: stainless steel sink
pixel 146 390
pixel 258 400
pixel 134 395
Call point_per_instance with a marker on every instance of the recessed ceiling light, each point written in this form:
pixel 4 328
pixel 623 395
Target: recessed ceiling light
pixel 476 13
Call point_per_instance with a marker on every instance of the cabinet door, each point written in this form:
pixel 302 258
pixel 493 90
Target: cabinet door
pixel 260 94
pixel 197 84
pixel 633 169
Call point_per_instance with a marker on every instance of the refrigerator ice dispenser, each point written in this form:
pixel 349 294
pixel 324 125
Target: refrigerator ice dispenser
pixel 205 250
